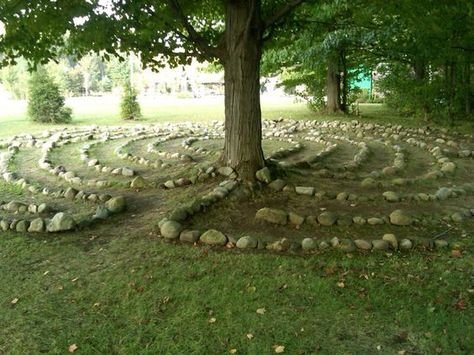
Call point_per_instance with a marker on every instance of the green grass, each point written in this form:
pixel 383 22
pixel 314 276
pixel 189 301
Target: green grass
pixel 112 290
pixel 13 119
pixel 134 294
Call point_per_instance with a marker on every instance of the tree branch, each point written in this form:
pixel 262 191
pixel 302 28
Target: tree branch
pixel 282 12
pixel 193 35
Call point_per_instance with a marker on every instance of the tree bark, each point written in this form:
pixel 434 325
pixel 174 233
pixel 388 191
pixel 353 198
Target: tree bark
pixel 345 82
pixel 243 127
pixel 333 86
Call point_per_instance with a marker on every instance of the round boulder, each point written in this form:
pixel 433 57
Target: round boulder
pixel 171 229
pixel 213 237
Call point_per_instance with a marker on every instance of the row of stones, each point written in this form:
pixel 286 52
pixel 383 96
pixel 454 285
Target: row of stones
pixel 398 217
pixel 62 222
pixel 446 165
pixel 18 207
pixel 443 193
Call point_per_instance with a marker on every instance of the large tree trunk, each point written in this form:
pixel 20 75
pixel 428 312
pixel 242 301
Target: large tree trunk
pixel 243 127
pixel 333 86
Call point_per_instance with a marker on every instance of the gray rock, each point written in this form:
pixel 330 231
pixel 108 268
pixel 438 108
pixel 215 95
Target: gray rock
pixel 213 237
pixel 457 217
pixel 448 167
pixel 406 244
pixel 347 245
pixel 308 244
pixel 342 196
pixel 70 193
pixel 14 206
pixel 37 226
pixel 324 245
pixel 33 208
pixel 443 193
pixel 400 218
pixel 277 184
pixel 225 170
pixel 295 219
pixel 391 196
pixel 22 226
pixel 4 225
pixel 61 222
pixel 189 236
pixel 369 182
pixel 116 204
pixel 359 220
pixel 379 244
pixel 279 245
pixel 373 221
pixel 43 208
pixel 272 215
pixel 171 229
pixel 170 184
pixel 128 172
pixel 304 190
pixel 327 218
pixel 101 213
pixel 247 242
pixel 264 175
pixel 138 183
pixel 363 244
pixel 392 240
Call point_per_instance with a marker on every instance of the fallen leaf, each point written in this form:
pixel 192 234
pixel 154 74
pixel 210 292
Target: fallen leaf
pixel 261 311
pixel 75 279
pixel 72 348
pixel 461 305
pixel 45 273
pixel 251 289
pixel 341 284
pixel 456 253
pixel 279 349
pixel 233 351
pixel 212 320
pixel 250 336
pixel 15 301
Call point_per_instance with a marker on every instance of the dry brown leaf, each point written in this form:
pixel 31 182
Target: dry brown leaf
pixel 72 348
pixel 279 349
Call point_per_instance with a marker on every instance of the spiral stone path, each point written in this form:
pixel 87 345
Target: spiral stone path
pixel 347 185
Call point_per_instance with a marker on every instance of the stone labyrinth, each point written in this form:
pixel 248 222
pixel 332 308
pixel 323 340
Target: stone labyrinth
pixel 350 186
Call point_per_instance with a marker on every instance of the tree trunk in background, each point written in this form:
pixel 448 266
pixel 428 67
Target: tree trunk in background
pixel 419 67
pixel 333 86
pixel 467 85
pixel 345 82
pixel 243 127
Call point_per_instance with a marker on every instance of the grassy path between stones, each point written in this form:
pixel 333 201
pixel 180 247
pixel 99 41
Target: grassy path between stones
pixel 125 294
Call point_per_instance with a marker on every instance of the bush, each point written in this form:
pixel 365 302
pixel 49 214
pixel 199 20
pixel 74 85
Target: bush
pixel 45 102
pixel 129 106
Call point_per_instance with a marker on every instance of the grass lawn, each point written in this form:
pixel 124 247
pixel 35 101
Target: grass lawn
pixel 115 289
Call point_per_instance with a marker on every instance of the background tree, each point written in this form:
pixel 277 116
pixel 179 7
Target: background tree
pixel 232 32
pixel 45 102
pixel 129 106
